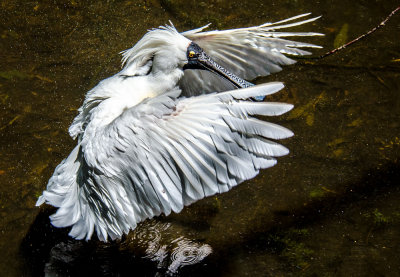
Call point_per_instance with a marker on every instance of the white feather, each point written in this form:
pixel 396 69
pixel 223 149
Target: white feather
pixel 143 149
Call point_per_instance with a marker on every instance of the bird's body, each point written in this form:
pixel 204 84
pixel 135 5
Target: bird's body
pixel 118 96
pixel 144 147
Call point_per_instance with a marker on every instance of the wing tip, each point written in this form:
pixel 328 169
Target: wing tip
pixel 271 87
pixel 40 201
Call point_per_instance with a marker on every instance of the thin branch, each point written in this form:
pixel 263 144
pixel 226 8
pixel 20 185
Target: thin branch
pixel 360 37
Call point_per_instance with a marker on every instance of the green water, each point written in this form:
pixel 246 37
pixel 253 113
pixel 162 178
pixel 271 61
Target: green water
pixel 329 208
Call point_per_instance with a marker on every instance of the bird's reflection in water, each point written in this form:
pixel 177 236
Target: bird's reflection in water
pixel 169 253
pixel 154 248
pixel 186 253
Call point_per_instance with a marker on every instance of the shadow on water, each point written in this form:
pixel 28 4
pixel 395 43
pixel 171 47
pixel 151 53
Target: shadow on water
pixel 158 248
pixel 290 235
pixel 375 183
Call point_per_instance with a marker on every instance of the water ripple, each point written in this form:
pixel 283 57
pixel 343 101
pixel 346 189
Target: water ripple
pixel 170 253
pixel 187 252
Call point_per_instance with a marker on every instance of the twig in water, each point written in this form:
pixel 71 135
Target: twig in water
pixel 360 37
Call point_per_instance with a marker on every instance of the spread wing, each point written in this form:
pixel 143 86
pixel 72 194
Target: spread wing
pixel 248 52
pixel 166 153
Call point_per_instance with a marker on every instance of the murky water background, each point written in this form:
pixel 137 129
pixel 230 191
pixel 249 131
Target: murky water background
pixel 329 208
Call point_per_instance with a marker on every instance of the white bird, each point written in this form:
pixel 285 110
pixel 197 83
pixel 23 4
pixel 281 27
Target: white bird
pixel 144 147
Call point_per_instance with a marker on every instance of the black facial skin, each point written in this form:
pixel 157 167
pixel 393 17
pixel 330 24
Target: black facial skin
pixel 198 59
pixel 193 62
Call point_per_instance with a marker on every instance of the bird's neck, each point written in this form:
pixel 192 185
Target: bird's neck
pixel 162 81
pixel 118 94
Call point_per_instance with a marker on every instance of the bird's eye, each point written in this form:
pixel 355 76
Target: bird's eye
pixel 191 54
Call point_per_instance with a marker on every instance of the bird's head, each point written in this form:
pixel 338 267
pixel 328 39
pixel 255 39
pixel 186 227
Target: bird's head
pixel 169 50
pixel 198 59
